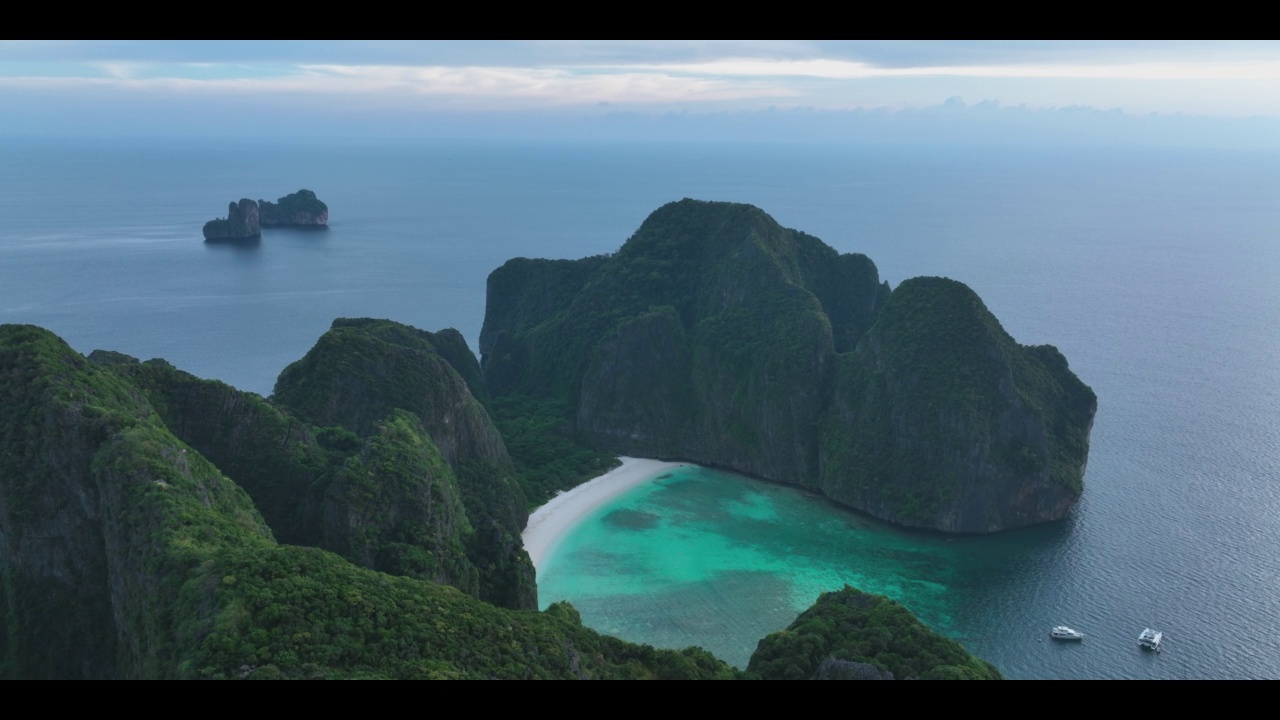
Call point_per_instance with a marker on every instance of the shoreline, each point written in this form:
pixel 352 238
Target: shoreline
pixel 551 522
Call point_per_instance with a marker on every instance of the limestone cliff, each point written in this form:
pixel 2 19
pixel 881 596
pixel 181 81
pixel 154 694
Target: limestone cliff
pixel 94 546
pixel 942 421
pixel 300 209
pixel 243 222
pixel 363 371
pixel 701 338
pixel 387 503
pixel 715 335
pixel 124 553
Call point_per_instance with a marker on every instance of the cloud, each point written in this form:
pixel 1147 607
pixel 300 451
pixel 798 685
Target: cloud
pixel 545 86
pixel 831 69
pixel 1223 80
pixel 120 70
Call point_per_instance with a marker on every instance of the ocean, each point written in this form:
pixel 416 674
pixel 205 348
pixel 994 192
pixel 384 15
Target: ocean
pixel 1157 274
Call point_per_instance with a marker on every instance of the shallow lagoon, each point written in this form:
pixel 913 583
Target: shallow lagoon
pixel 704 557
pixel 710 558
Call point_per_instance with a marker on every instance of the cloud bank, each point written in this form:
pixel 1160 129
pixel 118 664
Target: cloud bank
pixel 775 91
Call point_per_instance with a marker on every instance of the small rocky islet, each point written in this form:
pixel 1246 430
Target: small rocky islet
pixel 246 218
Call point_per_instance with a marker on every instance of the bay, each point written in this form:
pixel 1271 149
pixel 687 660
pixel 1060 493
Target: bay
pixel 1155 272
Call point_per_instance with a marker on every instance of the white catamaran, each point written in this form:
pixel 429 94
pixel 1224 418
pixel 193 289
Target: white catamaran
pixel 1150 639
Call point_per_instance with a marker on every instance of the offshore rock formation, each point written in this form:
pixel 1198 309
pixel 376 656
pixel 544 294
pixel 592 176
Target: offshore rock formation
pixel 243 222
pixel 300 209
pixel 714 335
pixel 246 218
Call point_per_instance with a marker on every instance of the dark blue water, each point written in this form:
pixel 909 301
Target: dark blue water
pixel 1155 273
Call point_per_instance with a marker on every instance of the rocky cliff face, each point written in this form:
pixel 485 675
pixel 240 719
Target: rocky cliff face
pixel 387 503
pixel 124 553
pixel 275 457
pixel 243 222
pixel 700 338
pixel 362 372
pixel 942 421
pixel 300 209
pixel 715 335
pixel 395 506
pixel 89 520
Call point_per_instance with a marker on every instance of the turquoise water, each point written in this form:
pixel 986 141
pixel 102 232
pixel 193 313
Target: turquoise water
pixel 704 557
pixel 718 560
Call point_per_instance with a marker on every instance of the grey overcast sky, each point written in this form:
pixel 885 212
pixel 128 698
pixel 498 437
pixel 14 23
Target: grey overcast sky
pixel 1214 92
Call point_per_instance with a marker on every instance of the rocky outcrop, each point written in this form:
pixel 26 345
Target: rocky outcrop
pixel 276 458
pixel 714 335
pixel 246 218
pixel 94 540
pixel 124 553
pixel 301 209
pixel 385 497
pixel 387 503
pixel 852 635
pixel 942 421
pixel 698 339
pixel 395 506
pixel 363 372
pixel 243 222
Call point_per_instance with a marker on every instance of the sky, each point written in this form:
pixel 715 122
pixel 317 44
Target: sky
pixel 1179 92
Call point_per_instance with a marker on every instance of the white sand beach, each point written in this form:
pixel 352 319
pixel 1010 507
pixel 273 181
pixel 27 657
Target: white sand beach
pixel 549 523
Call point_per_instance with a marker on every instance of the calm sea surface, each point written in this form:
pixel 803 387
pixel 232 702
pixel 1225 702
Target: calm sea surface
pixel 1157 275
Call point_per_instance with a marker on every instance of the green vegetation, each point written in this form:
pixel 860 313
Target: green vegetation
pixel 362 371
pixel 389 503
pixel 126 554
pixel 396 507
pixel 549 456
pixel 386 497
pixel 715 335
pixel 242 223
pixel 708 336
pixel 999 420
pixel 284 464
pixel 140 507
pixel 300 613
pixel 300 208
pixel 849 634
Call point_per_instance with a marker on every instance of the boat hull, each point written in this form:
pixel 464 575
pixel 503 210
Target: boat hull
pixel 1062 632
pixel 1150 640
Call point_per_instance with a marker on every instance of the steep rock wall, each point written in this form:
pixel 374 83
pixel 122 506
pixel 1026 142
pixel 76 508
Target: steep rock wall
pixel 126 554
pixel 714 335
pixel 243 222
pixel 361 371
pixel 941 420
pixel 388 502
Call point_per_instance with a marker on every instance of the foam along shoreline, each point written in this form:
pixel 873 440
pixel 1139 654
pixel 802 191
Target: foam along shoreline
pixel 549 523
